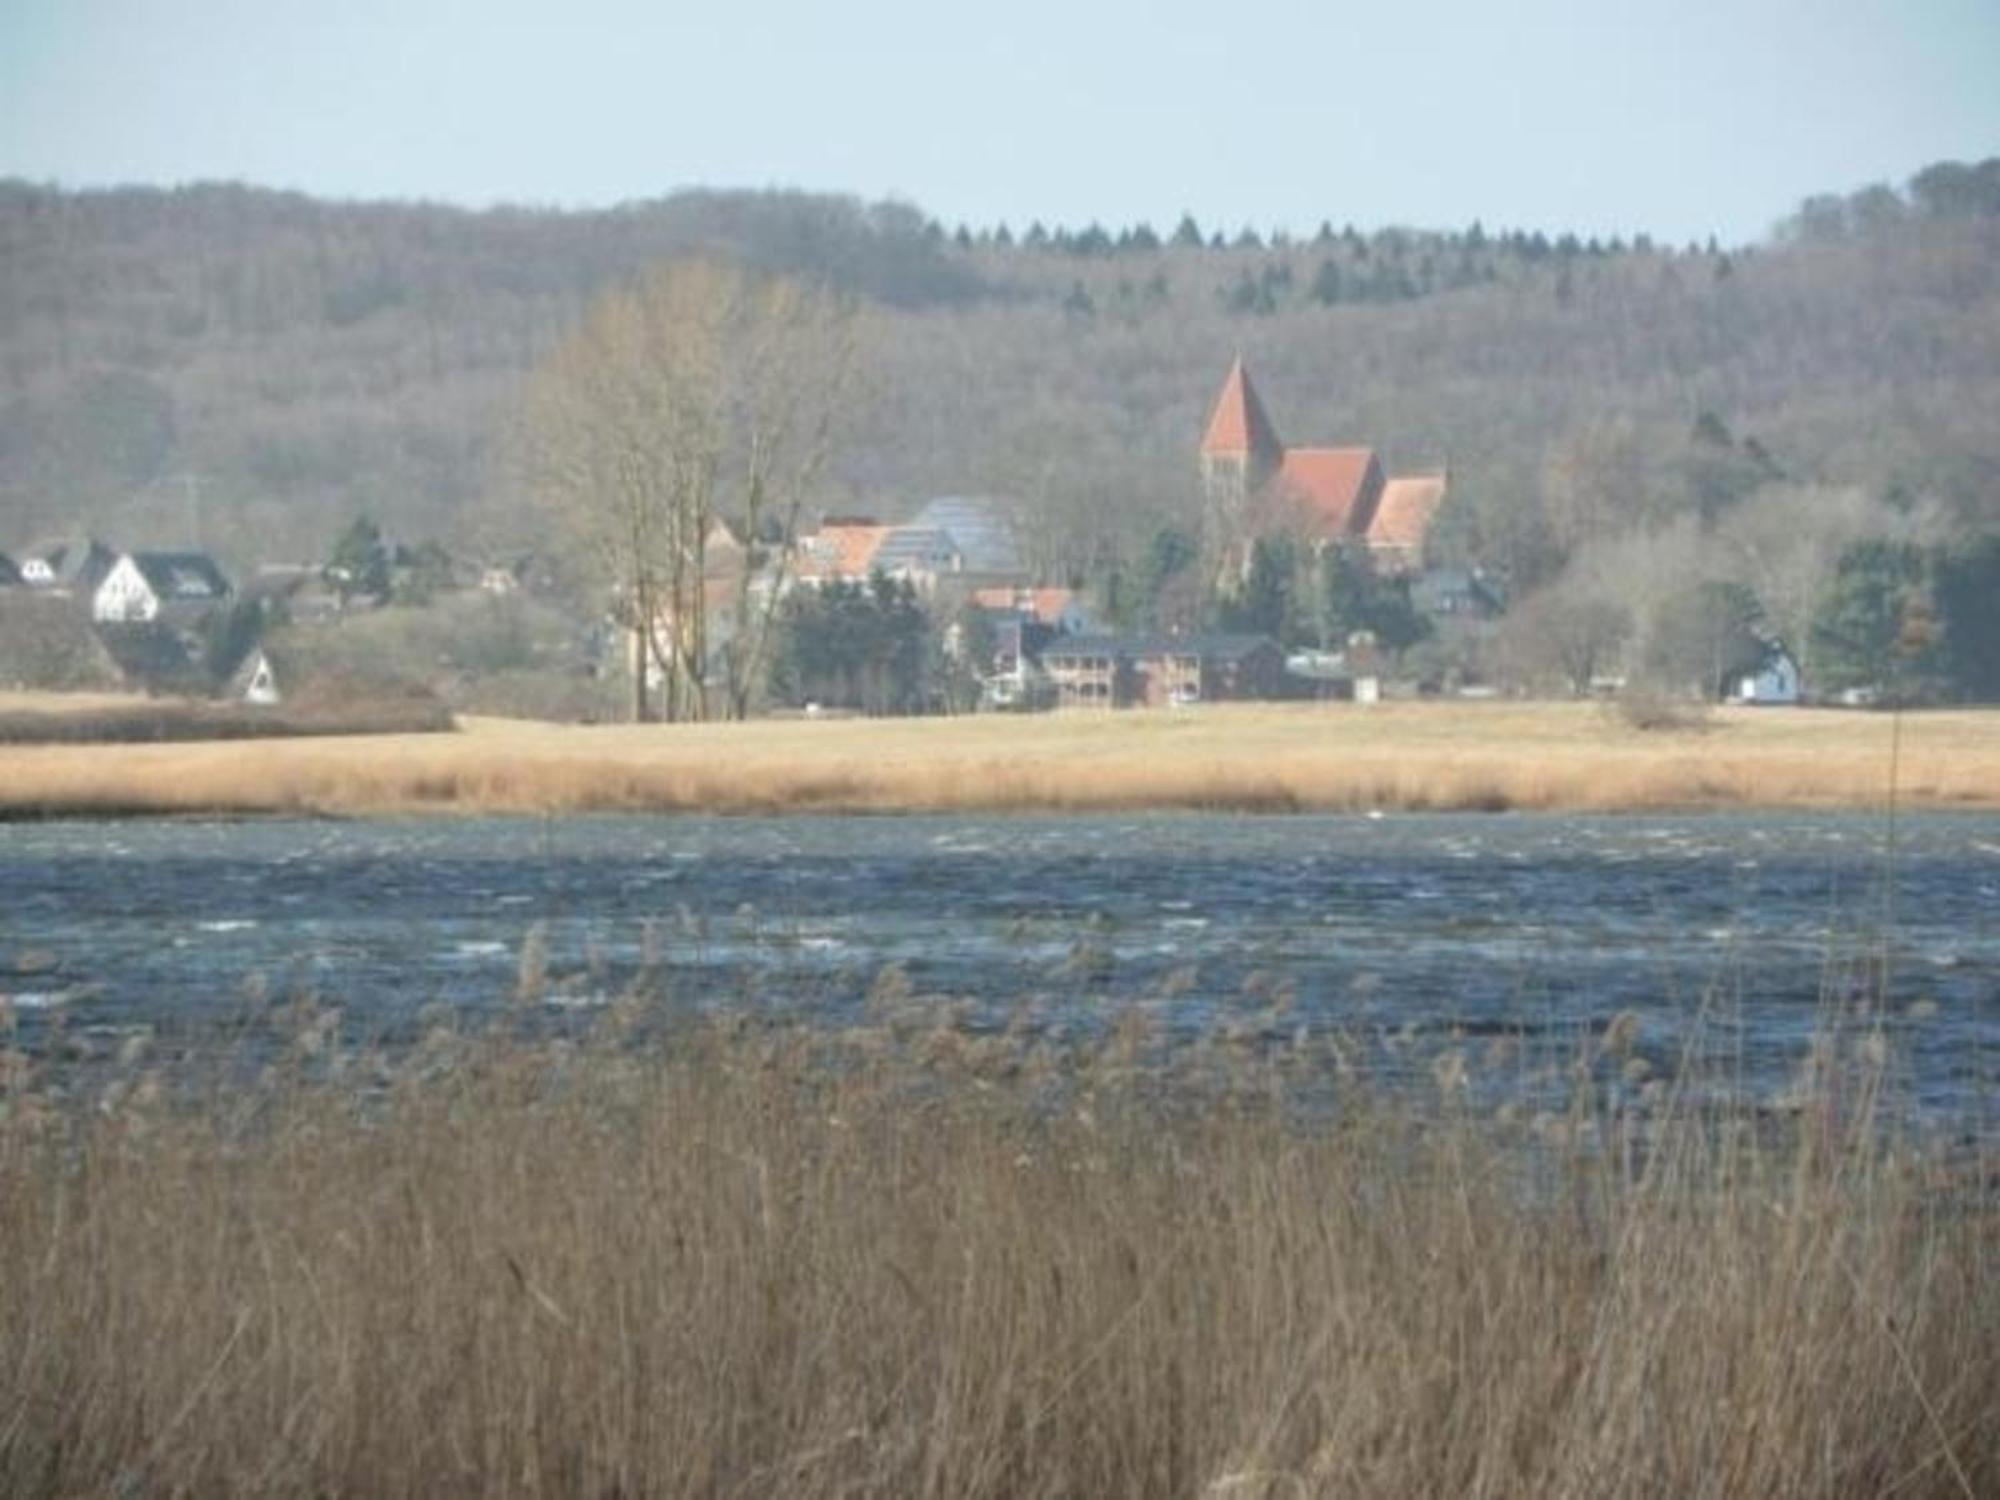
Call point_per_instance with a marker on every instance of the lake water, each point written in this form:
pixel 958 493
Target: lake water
pixel 1385 927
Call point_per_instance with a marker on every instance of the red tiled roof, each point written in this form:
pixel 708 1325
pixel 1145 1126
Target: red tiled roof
pixel 1043 605
pixel 1337 489
pixel 840 551
pixel 1403 519
pixel 1238 424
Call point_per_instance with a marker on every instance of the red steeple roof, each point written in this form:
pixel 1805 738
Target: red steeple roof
pixel 1239 424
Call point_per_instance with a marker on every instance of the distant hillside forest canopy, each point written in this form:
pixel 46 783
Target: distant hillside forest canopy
pixel 251 369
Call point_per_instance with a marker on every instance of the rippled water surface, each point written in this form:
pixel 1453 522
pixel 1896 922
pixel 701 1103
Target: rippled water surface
pixel 1530 925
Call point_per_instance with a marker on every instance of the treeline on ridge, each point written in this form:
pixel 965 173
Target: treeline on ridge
pixel 250 369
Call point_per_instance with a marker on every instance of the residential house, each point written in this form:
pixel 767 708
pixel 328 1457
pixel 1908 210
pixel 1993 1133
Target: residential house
pixel 1457 593
pixel 985 533
pixel 1061 610
pixel 157 612
pixel 1013 677
pixel 1209 669
pixel 72 565
pixel 255 681
pixel 1023 622
pixel 842 550
pixel 1401 528
pixel 852 549
pixel 295 592
pixel 1353 674
pixel 1090 671
pixel 1776 681
pixel 1107 671
pixel 921 555
pixel 1254 484
pixel 143 585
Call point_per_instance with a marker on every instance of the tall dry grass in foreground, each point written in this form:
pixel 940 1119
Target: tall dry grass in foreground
pixel 1437 756
pixel 907 1260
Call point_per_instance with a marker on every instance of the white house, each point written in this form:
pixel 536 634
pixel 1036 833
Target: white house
pixel 141 584
pixel 74 565
pixel 1777 681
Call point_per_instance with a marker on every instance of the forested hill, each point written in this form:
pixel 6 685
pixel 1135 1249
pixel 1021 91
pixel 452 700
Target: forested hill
pixel 263 366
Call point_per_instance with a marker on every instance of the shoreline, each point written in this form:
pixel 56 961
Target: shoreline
pixel 1557 758
pixel 1276 759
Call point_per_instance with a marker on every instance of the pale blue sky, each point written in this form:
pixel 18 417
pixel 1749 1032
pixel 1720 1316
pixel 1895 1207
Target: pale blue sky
pixel 1678 119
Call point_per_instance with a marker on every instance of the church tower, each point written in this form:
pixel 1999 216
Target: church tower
pixel 1239 454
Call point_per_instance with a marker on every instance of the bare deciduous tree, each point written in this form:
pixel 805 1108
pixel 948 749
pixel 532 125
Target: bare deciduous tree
pixel 1593 484
pixel 696 393
pixel 1786 544
pixel 1565 636
pixel 796 379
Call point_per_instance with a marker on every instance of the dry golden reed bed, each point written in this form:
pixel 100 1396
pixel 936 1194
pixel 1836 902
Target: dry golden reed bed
pixel 911 1261
pixel 1392 756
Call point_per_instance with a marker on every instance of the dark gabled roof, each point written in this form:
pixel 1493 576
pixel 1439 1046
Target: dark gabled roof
pixel 1139 647
pixel 76 562
pixel 9 574
pixel 181 575
pixel 1430 589
pixel 1092 645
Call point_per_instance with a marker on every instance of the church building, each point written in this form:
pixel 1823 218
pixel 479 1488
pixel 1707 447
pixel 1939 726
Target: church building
pixel 1255 485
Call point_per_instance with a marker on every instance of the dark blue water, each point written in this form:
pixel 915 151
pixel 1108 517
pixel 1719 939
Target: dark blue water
pixel 1760 927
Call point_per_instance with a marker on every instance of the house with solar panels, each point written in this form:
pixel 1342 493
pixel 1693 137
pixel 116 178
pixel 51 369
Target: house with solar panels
pixel 955 540
pixel 921 554
pixel 984 532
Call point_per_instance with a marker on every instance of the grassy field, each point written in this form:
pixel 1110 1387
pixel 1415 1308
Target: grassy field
pixel 33 701
pixel 1259 757
pixel 158 721
pixel 914 1260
